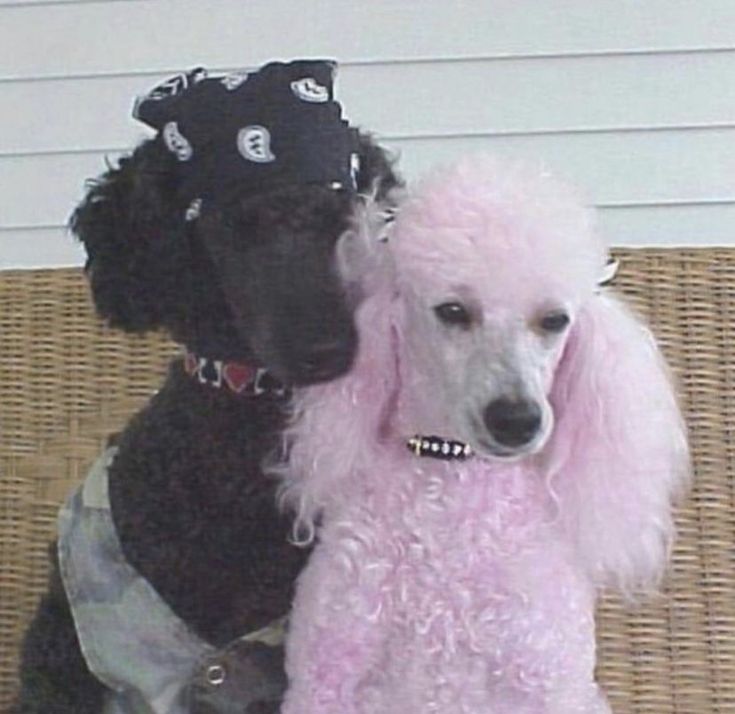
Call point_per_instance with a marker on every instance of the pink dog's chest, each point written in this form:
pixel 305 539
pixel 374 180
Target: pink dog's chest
pixel 463 596
pixel 475 630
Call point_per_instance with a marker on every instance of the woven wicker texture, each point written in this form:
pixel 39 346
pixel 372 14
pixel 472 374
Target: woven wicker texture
pixel 66 382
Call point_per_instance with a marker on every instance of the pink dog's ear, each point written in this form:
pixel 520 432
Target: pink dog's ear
pixel 618 456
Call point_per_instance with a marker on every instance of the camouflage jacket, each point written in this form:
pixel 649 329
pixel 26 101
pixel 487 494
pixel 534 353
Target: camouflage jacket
pixel 135 644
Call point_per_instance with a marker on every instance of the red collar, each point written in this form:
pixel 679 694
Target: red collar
pixel 239 377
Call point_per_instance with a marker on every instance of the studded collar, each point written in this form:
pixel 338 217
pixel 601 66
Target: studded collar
pixel 436 447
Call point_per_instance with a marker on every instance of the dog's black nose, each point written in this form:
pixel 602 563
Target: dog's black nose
pixel 512 423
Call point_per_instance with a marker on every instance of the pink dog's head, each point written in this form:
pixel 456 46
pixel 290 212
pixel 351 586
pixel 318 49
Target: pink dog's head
pixel 494 265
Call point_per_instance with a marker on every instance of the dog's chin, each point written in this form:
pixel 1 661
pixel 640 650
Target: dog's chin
pixel 317 372
pixel 301 369
pixel 487 448
pixel 495 452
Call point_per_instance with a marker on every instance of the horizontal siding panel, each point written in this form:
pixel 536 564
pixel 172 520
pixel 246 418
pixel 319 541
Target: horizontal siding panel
pixel 442 97
pixel 611 168
pixel 129 36
pixel 660 166
pixel 46 3
pixel 669 225
pixel 43 248
pixel 686 225
pixel 43 190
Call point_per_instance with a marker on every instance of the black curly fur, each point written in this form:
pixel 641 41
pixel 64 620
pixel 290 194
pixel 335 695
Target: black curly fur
pixel 252 279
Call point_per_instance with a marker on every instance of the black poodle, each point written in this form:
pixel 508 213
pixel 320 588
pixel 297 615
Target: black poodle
pixel 242 273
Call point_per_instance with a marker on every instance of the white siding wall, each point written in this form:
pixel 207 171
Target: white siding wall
pixel 632 99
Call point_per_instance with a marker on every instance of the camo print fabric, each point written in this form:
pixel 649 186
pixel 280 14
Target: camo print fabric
pixel 135 644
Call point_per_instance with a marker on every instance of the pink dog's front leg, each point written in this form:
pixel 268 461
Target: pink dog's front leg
pixel 335 634
pixel 329 683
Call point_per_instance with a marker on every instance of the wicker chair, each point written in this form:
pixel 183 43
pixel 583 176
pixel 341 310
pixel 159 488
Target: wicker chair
pixel 66 382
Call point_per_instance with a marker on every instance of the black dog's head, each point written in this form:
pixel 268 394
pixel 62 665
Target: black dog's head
pixel 253 278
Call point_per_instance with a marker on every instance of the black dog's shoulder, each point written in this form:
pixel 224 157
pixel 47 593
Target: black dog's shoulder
pixel 199 519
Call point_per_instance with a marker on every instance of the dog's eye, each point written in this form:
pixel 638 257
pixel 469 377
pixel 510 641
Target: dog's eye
pixel 453 313
pixel 554 321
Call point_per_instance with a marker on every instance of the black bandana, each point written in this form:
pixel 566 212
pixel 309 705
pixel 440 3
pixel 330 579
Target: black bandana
pixel 276 124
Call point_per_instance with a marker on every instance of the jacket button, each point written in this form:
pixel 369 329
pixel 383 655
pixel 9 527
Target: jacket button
pixel 215 674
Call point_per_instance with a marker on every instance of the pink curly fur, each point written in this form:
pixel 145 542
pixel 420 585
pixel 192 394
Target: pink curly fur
pixel 470 586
